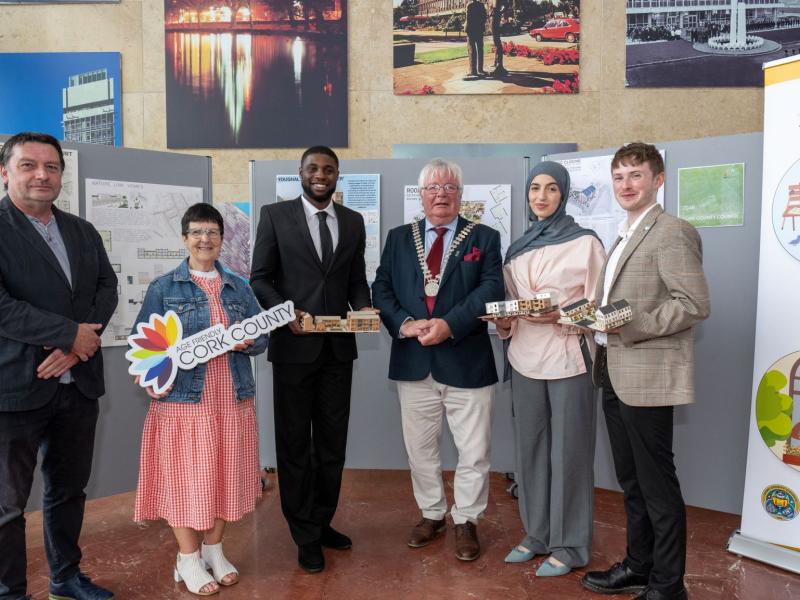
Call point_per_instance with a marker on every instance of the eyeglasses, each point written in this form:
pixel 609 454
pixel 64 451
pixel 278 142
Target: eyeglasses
pixel 434 188
pixel 213 234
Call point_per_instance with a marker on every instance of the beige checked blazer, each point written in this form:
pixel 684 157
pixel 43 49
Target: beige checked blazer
pixel 660 273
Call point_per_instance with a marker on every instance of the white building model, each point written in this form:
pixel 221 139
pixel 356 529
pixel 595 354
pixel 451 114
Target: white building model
pixel 578 311
pixel 542 302
pixel 613 315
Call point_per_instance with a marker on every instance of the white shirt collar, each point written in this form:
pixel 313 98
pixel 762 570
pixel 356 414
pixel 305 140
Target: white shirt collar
pixel 624 231
pixel 451 225
pixel 312 210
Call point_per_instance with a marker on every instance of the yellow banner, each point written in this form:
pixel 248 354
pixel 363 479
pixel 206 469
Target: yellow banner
pixel 781 73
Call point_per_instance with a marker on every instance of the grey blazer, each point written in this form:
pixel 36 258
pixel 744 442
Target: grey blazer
pixel 660 273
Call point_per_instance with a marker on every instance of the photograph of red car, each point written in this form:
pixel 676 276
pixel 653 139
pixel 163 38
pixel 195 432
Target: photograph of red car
pixel 568 30
pixel 486 47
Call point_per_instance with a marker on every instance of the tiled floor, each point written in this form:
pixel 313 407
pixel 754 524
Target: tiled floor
pixel 377 509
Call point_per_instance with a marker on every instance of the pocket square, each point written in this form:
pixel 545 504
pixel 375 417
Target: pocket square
pixel 473 255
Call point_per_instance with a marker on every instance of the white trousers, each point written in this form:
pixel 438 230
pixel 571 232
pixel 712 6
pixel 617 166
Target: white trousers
pixel 469 415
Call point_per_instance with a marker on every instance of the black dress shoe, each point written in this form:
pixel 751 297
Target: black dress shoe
pixel 619 579
pixel 310 557
pixel 649 593
pixel 330 538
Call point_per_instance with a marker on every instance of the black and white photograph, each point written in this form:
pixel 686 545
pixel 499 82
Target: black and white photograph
pixel 707 43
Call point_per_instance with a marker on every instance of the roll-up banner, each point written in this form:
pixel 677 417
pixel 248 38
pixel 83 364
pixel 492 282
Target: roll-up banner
pixel 770 529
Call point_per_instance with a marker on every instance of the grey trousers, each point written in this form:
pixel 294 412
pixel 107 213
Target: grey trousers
pixel 554 426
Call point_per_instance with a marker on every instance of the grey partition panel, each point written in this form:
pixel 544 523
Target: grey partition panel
pixel 122 408
pixel 375 439
pixel 710 441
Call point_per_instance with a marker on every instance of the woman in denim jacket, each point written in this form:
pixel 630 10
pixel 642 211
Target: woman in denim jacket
pixel 199 462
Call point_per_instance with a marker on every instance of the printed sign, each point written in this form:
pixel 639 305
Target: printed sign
pixel 158 349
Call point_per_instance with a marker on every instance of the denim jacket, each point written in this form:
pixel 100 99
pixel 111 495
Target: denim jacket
pixel 176 291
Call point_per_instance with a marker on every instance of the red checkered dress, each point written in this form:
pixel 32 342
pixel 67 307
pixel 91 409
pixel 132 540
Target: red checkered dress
pixel 199 462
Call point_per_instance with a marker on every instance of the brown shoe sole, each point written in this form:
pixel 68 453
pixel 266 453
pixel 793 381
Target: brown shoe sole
pixel 468 558
pixel 429 540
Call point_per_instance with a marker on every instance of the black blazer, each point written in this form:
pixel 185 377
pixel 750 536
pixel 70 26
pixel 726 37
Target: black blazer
pixel 286 266
pixel 466 360
pixel 38 307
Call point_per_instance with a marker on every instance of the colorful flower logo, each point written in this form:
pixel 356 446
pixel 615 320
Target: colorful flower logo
pixel 149 353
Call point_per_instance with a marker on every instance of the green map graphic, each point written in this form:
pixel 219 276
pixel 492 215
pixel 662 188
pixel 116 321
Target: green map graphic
pixel 712 196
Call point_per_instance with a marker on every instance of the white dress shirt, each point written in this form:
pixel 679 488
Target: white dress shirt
pixel 313 224
pixel 625 232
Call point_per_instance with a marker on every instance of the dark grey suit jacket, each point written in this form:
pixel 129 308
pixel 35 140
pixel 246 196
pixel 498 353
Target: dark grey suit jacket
pixel 286 266
pixel 38 307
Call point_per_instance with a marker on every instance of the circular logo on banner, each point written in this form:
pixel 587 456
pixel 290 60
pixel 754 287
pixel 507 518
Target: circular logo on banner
pixel 777 410
pixel 786 211
pixel 780 502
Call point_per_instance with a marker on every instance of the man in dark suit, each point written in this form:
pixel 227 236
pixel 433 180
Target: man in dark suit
pixel 434 279
pixel 310 250
pixel 475 27
pixel 57 292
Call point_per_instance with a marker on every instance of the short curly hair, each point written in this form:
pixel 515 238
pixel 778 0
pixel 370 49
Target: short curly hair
pixel 637 153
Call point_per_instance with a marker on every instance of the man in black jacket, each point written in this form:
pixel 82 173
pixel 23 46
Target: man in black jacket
pixel 57 292
pixel 310 250
pixel 475 27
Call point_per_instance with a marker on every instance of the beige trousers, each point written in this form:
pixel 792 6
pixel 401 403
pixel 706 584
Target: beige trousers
pixel 469 415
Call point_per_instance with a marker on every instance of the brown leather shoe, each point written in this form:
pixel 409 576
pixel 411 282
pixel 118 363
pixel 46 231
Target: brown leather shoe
pixel 425 531
pixel 467 545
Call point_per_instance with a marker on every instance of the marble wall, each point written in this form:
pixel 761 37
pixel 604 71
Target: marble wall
pixel 605 113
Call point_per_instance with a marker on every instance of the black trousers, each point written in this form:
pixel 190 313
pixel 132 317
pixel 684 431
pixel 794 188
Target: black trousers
pixel 641 443
pixel 64 430
pixel 312 412
pixel 475 51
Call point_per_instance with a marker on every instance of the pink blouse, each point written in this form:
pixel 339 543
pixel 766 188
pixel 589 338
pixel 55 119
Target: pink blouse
pixel 571 270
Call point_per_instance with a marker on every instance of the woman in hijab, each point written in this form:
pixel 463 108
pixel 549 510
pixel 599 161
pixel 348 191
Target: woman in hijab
pixel 552 395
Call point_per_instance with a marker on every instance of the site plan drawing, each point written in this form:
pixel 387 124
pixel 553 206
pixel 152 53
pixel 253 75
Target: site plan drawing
pixel 140 224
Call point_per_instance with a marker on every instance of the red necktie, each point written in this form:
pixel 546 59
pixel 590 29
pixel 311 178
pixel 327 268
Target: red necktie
pixel 434 261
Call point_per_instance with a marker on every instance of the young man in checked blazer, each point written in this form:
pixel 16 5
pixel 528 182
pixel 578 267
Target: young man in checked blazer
pixel 645 368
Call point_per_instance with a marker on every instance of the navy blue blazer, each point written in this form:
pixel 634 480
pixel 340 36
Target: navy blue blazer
pixel 466 360
pixel 39 308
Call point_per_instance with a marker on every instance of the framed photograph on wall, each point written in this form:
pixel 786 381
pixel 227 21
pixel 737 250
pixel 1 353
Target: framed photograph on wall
pixel 486 46
pixel 696 43
pixel 73 96
pixel 256 75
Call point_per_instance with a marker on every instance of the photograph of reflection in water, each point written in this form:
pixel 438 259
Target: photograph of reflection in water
pixel 257 74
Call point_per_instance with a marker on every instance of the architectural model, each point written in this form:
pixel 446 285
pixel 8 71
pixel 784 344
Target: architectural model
pixel 356 322
pixel 540 303
pixel 613 315
pixel 578 311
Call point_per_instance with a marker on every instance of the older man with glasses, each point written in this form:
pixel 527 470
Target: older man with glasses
pixel 433 281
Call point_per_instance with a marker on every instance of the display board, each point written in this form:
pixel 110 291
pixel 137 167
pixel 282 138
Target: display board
pixel 709 442
pixel 771 505
pixel 122 409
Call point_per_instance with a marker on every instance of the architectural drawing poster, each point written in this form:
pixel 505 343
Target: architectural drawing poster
pixel 140 224
pixel 591 197
pixel 712 196
pixel 486 204
pixel 361 193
